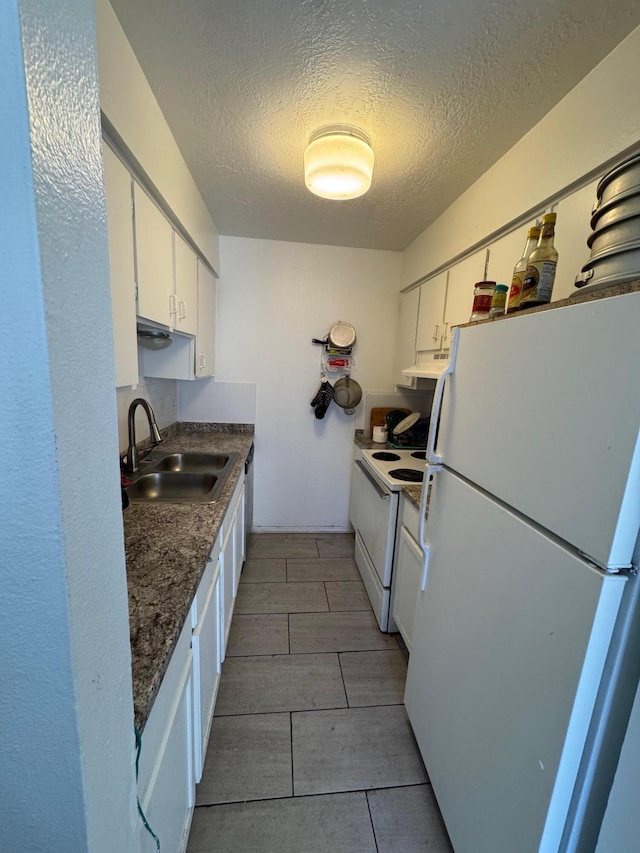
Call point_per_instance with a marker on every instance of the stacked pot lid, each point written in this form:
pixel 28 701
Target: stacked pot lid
pixel 615 224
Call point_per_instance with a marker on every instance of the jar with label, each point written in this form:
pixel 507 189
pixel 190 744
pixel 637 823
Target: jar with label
pixel 541 269
pixel 499 301
pixel 520 269
pixel 482 296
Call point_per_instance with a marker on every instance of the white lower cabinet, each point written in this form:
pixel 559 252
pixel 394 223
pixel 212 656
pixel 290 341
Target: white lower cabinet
pixel 231 557
pixel 407 575
pixel 241 540
pixel 174 740
pixel 166 784
pixel 207 660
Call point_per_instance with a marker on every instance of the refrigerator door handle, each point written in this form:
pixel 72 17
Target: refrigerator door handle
pixel 437 399
pixel 429 472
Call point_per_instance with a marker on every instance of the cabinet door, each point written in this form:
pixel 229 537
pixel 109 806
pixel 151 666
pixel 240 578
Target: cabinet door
pixel 431 313
pixel 240 543
pixel 206 667
pixel 228 570
pixel 154 261
pixel 205 342
pixel 406 341
pixel 170 798
pixel 459 304
pixel 186 286
pixel 407 575
pixel 118 189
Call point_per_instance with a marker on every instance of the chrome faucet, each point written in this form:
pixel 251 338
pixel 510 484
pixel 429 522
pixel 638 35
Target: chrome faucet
pixel 132 453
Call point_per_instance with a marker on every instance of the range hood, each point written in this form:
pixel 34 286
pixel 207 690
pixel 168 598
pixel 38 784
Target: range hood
pixel 427 369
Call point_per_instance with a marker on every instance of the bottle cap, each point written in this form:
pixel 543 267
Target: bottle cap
pixel 485 284
pixel 548 217
pixel 534 231
pixel 502 287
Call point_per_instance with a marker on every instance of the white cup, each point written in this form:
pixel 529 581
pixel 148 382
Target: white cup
pixel 380 434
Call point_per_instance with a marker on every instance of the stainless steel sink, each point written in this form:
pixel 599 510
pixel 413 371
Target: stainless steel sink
pixel 192 462
pixel 182 477
pixel 165 486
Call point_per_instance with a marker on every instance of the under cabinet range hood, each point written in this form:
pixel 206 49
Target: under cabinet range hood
pixel 429 369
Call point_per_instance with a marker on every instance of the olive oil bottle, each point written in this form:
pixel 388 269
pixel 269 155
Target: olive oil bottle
pixel 541 269
pixel 520 269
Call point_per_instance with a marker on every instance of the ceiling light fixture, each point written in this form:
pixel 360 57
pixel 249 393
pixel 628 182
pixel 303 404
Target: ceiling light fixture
pixel 338 162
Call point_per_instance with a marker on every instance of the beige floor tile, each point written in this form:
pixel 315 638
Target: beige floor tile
pixel 374 678
pixel 278 547
pixel 354 749
pixel 248 758
pixel 408 819
pixel 347 595
pixel 281 598
pixel 337 632
pixel 258 634
pixel 337 545
pixel 264 571
pixel 325 824
pixel 334 569
pixel 261 685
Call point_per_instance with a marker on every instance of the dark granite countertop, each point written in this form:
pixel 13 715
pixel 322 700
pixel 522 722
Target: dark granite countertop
pixel 166 548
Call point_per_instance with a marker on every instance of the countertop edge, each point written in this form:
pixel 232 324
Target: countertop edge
pixel 166 549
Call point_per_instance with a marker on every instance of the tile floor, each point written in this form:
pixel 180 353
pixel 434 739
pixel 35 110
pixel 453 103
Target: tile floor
pixel 311 750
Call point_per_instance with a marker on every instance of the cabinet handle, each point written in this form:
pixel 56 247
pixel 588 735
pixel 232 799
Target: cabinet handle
pixel 172 304
pixel 201 361
pixel 182 310
pixel 445 331
pixel 435 331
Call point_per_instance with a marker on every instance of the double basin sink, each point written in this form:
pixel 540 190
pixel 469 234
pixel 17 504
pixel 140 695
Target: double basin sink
pixel 181 477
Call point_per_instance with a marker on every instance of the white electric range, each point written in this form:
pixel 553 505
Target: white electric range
pixel 396 468
pixel 378 476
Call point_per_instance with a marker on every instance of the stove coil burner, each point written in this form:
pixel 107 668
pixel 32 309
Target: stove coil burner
pixel 407 474
pixel 383 456
pixel 419 454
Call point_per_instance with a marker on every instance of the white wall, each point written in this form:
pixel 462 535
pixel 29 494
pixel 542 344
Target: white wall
pixel 66 753
pixel 272 299
pixel 128 102
pixel 593 124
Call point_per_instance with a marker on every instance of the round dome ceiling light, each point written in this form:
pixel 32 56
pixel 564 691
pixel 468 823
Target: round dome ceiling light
pixel 338 162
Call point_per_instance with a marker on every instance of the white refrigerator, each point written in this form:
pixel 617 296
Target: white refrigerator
pixel 526 646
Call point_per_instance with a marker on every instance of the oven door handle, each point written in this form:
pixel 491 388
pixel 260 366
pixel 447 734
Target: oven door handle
pixel 381 492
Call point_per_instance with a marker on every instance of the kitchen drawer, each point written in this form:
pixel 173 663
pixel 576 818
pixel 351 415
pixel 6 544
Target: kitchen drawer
pixel 378 595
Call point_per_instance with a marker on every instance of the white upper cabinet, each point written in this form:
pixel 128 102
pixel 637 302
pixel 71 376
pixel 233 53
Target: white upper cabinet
pixel 186 287
pixel 431 314
pixel 118 189
pixel 406 341
pixel 459 304
pixel 154 261
pixel 205 340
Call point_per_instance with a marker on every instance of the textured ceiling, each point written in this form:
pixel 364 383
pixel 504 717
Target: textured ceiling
pixel 442 87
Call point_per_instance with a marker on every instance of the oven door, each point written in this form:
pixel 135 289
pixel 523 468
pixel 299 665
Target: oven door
pixel 375 510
